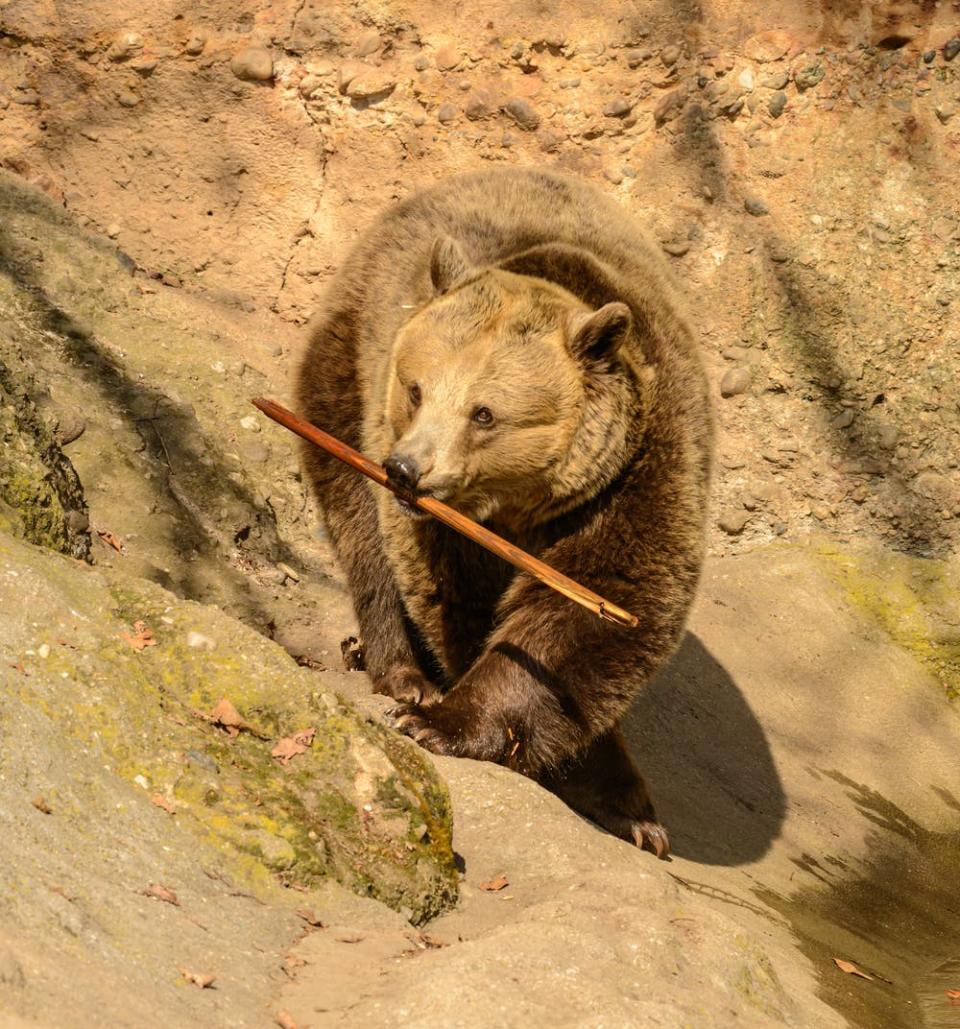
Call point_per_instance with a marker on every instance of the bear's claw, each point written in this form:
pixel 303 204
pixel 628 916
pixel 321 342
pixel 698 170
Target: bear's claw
pixel 414 721
pixel 651 836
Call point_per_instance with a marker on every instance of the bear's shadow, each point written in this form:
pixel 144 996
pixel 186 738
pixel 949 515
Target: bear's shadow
pixel 706 760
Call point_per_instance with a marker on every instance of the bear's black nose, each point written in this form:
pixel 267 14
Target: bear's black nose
pixel 402 471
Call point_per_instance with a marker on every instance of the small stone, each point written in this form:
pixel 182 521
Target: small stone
pixel 618 108
pixel 734 522
pixel 43 651
pixel 446 113
pixel 421 63
pixel 113 230
pixel 548 141
pixel 768 46
pixel 144 65
pixel 478 106
pixel 447 58
pixel 198 641
pixel 523 113
pixel 929 56
pixel 745 79
pixel 309 84
pixel 288 571
pixel 734 382
pixel 636 57
pixel 374 85
pixel 669 55
pixel 806 74
pixel 27 98
pixel 69 428
pixel 127 98
pixel 777 103
pixel 945 112
pixel 755 206
pixel 951 48
pixel 613 175
pixel 676 248
pixel 369 43
pixel 125 46
pixel 776 80
pixel 843 420
pixel 194 45
pixel 250 423
pixel 669 106
pixel 779 528
pixel 253 65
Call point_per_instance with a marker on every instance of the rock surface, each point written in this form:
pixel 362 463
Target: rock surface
pixel 782 743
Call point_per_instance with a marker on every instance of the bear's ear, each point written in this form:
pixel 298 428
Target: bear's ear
pixel 598 334
pixel 448 264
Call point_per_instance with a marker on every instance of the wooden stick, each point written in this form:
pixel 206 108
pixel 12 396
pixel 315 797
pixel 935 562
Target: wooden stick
pixel 466 526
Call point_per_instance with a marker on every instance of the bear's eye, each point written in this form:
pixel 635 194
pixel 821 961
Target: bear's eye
pixel 415 395
pixel 483 417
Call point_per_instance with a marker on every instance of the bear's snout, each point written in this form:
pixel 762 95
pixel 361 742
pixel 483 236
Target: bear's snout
pixel 402 471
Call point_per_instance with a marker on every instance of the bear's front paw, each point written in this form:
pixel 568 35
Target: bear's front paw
pixel 408 685
pixel 423 724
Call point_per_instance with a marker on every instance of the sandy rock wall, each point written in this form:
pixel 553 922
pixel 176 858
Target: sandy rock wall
pixel 797 162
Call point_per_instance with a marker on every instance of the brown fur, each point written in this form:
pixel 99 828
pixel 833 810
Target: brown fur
pixel 538 299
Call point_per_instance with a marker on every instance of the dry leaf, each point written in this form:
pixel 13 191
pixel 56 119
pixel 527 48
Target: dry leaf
pixel 111 540
pixel 140 638
pixel 40 804
pixel 161 892
pixel 161 801
pixel 851 969
pixel 495 884
pixel 203 981
pixel 285 1020
pixel 228 717
pixel 309 917
pixel 288 748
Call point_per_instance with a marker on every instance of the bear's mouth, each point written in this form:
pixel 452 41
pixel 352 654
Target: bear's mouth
pixel 407 506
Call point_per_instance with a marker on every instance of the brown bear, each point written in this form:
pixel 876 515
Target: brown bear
pixel 509 342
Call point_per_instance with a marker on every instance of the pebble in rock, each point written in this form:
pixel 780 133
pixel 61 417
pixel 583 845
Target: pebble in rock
pixel 777 103
pixel 613 175
pixel 670 55
pixel 523 113
pixel 446 113
pixel 734 382
pixel 733 522
pixel 843 420
pixel 807 74
pixel 369 44
pixel 636 57
pixel 755 206
pixel 127 98
pixel 447 58
pixel 945 112
pixel 373 85
pixel 951 48
pixel 253 65
pixel 421 63
pixel 125 46
pixel 778 80
pixel 618 108
pixel 669 106
pixel 477 106
pixel 194 45
pixel 676 248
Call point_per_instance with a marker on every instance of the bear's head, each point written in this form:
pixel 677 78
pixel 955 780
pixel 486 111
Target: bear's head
pixel 508 397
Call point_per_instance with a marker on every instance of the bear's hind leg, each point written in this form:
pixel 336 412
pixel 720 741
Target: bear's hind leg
pixel 605 785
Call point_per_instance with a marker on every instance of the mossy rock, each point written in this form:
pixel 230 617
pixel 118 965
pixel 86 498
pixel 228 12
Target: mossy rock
pixel 362 804
pixel 41 498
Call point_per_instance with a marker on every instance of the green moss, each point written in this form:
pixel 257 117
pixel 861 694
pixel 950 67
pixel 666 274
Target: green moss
pixel 914 601
pixel 141 713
